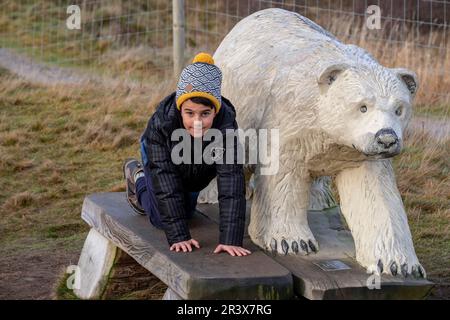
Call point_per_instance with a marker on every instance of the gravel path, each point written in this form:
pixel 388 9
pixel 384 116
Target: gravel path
pixel 41 73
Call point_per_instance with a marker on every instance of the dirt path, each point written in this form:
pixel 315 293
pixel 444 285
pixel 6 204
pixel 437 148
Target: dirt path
pixel 37 72
pixel 34 274
pixel 41 73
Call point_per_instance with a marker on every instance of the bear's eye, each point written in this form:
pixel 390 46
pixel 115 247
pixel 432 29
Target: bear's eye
pixel 363 109
pixel 399 111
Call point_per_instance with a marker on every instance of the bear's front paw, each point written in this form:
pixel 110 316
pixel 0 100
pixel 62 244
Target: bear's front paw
pixel 396 268
pixel 293 245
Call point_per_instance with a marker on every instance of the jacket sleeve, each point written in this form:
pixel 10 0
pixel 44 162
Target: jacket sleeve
pixel 231 189
pixel 167 187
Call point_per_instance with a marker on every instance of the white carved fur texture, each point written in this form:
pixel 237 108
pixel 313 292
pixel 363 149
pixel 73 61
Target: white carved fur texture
pixel 340 114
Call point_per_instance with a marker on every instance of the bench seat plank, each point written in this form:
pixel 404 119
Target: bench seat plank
pixel 196 275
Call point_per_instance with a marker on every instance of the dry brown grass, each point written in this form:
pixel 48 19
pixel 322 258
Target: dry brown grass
pixel 10 138
pixel 423 172
pixel 59 143
pixel 19 200
pixel 119 187
pixel 23 165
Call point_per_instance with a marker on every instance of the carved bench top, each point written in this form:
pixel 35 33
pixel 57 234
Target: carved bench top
pixel 196 275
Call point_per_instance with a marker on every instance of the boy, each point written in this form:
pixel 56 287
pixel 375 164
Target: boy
pixel 168 192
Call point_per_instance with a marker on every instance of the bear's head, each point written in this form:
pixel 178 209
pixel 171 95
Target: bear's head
pixel 366 107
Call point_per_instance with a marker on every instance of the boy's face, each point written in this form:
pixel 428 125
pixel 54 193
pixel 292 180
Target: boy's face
pixel 197 118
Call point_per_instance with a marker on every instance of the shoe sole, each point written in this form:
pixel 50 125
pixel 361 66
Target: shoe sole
pixel 127 188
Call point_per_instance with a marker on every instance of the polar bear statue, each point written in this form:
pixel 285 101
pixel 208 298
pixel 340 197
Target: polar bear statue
pixel 340 114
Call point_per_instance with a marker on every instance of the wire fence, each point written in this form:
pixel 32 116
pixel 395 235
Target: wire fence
pixel 424 18
pixel 134 38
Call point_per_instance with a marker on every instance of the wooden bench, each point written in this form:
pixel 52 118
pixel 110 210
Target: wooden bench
pixel 332 273
pixel 196 275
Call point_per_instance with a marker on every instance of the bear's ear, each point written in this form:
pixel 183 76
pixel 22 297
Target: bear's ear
pixel 409 78
pixel 330 73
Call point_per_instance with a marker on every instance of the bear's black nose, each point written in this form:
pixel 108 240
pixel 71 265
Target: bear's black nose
pixel 386 138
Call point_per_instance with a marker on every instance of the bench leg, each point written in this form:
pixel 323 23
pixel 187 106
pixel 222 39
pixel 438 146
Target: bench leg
pixel 96 261
pixel 171 295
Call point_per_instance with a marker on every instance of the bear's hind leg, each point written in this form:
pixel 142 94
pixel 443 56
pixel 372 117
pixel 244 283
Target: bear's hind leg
pixel 321 196
pixel 209 194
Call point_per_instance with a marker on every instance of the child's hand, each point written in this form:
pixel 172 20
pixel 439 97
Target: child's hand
pixel 232 250
pixel 185 245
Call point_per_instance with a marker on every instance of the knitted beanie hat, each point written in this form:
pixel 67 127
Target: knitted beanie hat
pixel 200 79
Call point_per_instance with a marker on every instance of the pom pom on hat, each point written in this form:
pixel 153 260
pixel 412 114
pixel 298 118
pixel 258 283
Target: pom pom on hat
pixel 204 58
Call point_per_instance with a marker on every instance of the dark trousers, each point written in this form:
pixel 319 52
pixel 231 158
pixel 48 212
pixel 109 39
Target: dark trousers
pixel 147 199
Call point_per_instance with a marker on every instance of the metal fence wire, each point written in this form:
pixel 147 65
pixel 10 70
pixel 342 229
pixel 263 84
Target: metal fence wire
pixel 135 38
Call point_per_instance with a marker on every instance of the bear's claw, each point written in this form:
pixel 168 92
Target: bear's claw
pixel 312 246
pixel 273 245
pixel 422 272
pixel 404 270
pixel 393 268
pixel 417 271
pixel 284 246
pixel 380 266
pixel 304 246
pixel 287 246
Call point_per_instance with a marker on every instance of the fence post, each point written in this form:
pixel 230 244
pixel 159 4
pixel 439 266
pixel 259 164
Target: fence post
pixel 178 36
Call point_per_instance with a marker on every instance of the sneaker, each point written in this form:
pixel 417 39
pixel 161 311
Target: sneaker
pixel 130 168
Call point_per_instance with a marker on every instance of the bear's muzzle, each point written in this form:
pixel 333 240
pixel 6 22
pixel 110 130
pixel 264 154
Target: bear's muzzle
pixel 385 144
pixel 386 138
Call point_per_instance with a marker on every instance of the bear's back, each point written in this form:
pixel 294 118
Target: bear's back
pixel 271 53
pixel 266 35
pixel 277 38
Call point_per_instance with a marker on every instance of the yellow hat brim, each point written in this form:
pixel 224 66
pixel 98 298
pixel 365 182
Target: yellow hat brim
pixel 189 95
